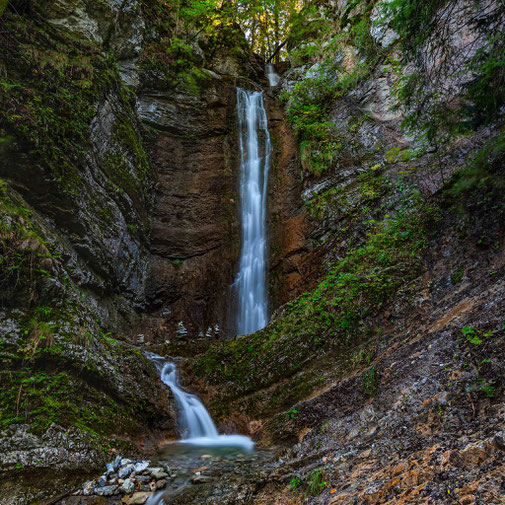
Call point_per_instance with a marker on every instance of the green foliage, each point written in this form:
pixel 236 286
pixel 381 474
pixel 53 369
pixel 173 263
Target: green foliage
pixel 363 357
pixel 54 84
pixel 412 20
pixel 25 257
pixel 292 413
pixel 471 335
pixel 487 89
pixel 335 313
pixel 457 275
pixel 308 111
pixel 333 76
pixel 370 381
pixel 316 483
pixel 294 483
pixel 481 173
pixel 41 398
pixel 431 111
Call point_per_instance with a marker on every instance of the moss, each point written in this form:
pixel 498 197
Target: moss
pixel 483 174
pixel 54 84
pixel 334 315
pixel 25 257
pixel 40 398
pixel 44 379
pixel 353 202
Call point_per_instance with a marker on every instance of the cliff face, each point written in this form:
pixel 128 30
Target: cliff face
pixel 385 381
pixel 119 213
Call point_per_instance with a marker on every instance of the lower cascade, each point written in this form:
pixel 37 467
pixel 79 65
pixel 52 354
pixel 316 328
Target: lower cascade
pixel 255 149
pixel 195 422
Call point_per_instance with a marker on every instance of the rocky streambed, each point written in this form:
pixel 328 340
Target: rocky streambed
pixel 171 475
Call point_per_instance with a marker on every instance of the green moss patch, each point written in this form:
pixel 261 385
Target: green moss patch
pixel 333 317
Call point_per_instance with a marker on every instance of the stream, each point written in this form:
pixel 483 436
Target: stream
pixel 201 451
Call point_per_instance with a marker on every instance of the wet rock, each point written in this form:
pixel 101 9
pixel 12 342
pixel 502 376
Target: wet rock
pixel 138 498
pixel 141 466
pixel 143 479
pixel 181 330
pixel 200 469
pixel 102 481
pixel 106 490
pixel 201 479
pixel 125 471
pixel 128 486
pixel 116 463
pixel 159 474
pixel 88 488
pixel 161 484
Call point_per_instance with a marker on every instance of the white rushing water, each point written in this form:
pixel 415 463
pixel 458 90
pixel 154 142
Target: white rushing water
pixel 272 76
pixel 194 420
pixel 255 148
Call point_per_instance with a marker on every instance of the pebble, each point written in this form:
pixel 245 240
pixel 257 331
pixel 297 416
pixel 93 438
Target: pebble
pixel 201 479
pixel 102 481
pixel 499 440
pixel 88 489
pixel 200 469
pixel 116 463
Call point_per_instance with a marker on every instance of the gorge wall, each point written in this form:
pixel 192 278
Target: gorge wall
pixel 119 211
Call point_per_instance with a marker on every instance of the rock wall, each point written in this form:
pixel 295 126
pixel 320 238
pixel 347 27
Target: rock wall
pixel 119 226
pixel 384 383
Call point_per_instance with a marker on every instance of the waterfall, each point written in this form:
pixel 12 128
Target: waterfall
pixel 195 422
pixel 255 148
pixel 272 76
pixel 195 419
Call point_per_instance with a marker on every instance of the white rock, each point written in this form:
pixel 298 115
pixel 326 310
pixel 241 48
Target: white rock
pixel 128 486
pixel 141 466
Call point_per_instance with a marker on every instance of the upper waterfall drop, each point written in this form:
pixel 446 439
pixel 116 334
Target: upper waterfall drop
pixel 255 151
pixel 272 76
